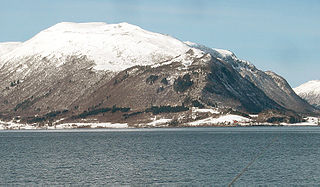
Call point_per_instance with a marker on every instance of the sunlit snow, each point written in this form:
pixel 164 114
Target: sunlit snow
pixel 112 47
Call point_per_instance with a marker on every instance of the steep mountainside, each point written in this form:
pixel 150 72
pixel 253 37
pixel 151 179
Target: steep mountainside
pixel 273 85
pixel 88 69
pixel 310 91
pixel 208 81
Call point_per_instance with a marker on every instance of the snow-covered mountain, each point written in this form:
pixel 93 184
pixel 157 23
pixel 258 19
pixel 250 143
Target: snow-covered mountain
pixel 310 91
pixel 79 67
pixel 112 47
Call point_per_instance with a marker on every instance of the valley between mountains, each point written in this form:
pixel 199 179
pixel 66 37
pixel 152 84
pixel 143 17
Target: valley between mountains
pixel 98 75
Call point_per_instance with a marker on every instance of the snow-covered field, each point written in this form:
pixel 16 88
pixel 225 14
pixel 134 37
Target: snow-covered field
pixel 310 121
pixel 89 125
pixel 223 120
pixel 15 126
pixel 20 126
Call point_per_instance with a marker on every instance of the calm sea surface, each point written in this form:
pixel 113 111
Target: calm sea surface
pixel 173 157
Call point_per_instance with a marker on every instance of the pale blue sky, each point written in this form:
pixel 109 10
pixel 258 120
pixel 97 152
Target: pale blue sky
pixel 280 35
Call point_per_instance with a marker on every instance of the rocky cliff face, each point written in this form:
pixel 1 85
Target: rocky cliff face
pixel 76 70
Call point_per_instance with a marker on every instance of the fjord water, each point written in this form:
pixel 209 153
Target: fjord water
pixel 184 156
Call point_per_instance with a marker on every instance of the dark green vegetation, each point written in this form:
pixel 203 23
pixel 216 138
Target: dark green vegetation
pixel 182 83
pixel 47 117
pixel 101 110
pixel 164 81
pixel 151 79
pixel 126 116
pixel 196 103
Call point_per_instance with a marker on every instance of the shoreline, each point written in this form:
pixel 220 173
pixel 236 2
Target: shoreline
pixel 97 127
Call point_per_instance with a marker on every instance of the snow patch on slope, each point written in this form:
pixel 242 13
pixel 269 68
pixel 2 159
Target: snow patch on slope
pixel 223 54
pixel 157 122
pixel 225 119
pixel 205 110
pixel 186 58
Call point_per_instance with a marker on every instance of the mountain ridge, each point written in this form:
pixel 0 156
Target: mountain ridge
pixel 269 82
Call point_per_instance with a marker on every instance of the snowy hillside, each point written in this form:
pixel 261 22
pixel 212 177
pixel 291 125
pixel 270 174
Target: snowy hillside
pixel 311 87
pixel 6 47
pixel 113 47
pixel 310 91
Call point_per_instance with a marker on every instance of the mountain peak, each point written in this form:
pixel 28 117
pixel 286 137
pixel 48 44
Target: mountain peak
pixel 95 27
pixel 312 86
pixel 111 47
pixel 72 26
pixel 310 91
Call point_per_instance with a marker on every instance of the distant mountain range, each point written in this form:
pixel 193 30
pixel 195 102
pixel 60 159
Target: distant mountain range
pixel 120 72
pixel 310 91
